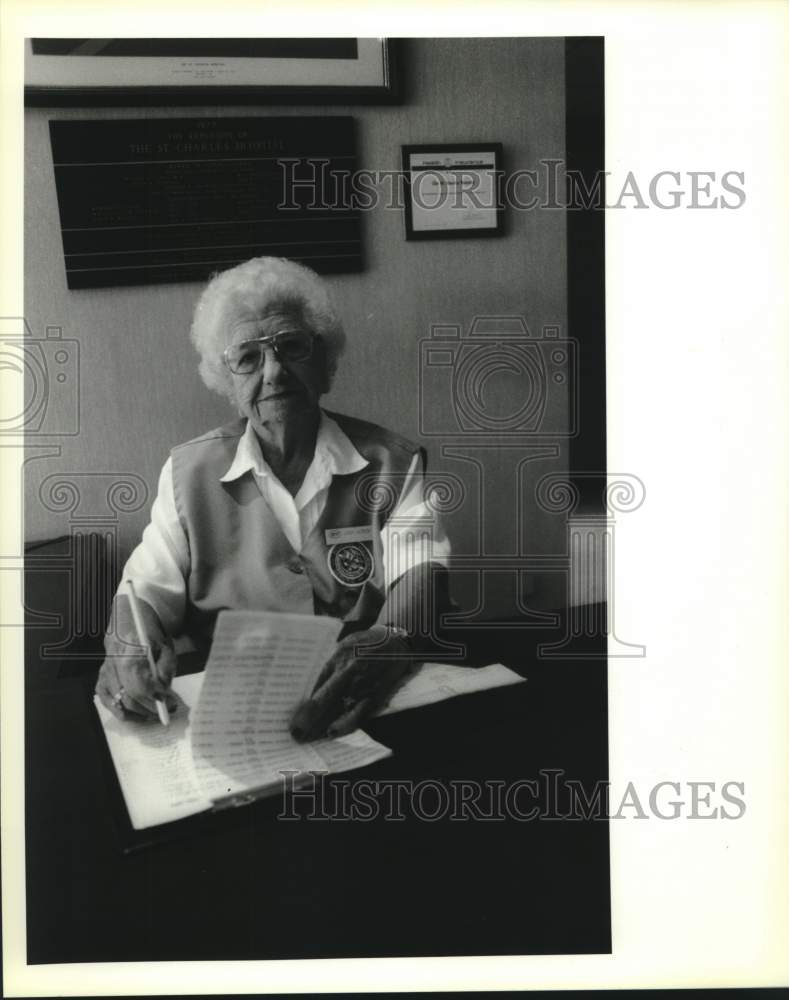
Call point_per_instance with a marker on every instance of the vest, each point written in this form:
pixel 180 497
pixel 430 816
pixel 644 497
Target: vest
pixel 241 559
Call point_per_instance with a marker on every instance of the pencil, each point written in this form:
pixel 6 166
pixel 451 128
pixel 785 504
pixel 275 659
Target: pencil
pixel 142 635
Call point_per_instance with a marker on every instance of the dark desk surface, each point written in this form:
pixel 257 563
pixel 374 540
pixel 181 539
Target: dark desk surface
pixel 251 885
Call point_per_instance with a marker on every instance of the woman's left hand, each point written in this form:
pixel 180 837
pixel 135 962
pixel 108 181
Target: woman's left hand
pixel 357 681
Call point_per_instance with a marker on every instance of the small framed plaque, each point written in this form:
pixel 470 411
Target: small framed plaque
pixel 452 190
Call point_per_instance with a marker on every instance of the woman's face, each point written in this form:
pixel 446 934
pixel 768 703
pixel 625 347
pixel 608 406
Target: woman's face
pixel 279 392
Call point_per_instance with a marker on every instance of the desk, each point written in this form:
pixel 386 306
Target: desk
pixel 253 886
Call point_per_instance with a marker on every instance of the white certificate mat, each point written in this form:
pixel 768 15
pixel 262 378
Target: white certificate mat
pixel 453 191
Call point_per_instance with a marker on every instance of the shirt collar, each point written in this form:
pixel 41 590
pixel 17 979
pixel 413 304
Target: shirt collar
pixel 335 455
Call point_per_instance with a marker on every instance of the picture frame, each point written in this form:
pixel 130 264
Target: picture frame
pixel 452 190
pixel 96 72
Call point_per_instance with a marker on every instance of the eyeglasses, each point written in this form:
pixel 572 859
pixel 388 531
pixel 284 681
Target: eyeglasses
pixel 288 346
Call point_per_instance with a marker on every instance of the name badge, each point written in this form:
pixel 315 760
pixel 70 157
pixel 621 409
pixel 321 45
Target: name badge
pixel 334 536
pixel 350 554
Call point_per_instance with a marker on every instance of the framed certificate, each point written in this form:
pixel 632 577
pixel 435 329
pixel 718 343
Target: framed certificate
pixel 452 190
pixel 165 71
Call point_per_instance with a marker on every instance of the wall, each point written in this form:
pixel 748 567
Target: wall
pixel 139 389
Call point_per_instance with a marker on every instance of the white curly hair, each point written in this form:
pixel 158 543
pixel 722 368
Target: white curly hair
pixel 257 288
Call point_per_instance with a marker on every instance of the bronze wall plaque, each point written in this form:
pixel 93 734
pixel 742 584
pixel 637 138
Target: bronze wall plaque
pixel 146 201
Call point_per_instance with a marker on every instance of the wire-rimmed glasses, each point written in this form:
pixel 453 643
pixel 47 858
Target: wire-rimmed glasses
pixel 289 346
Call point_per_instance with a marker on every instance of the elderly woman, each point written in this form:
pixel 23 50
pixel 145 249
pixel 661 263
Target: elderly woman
pixel 287 508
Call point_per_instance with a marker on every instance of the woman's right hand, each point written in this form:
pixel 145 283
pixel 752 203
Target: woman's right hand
pixel 125 683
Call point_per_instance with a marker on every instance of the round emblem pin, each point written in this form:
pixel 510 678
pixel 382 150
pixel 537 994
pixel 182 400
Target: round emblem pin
pixel 350 563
